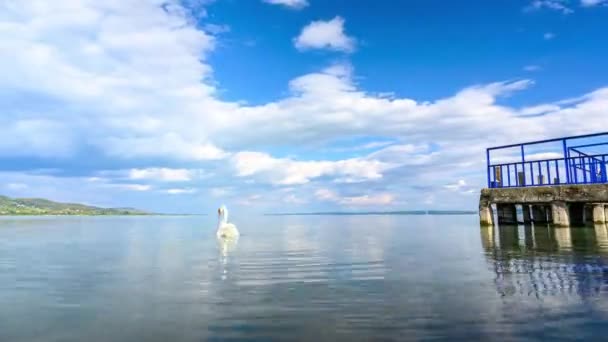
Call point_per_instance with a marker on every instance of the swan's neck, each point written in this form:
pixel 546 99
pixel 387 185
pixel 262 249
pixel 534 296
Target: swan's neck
pixel 222 219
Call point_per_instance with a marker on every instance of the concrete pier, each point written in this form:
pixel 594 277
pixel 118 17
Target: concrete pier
pixel 599 215
pixel 542 204
pixel 541 213
pixel 486 215
pixel 527 213
pixel 507 214
pixel 560 215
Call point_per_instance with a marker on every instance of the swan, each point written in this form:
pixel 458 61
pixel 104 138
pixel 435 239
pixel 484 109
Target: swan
pixel 225 230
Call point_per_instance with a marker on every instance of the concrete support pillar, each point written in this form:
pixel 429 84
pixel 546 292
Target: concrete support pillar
pixel 526 213
pixel 506 213
pixel 599 215
pixel 540 213
pixel 486 215
pixel 559 211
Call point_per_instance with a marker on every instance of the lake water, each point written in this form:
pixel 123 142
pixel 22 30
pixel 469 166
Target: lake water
pixel 316 278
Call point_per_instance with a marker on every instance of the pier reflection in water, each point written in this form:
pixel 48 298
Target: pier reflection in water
pixel 540 260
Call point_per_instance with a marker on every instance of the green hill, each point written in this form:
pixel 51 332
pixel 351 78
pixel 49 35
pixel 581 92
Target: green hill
pixel 39 206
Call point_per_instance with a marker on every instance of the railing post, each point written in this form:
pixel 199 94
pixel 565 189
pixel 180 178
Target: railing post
pixel 566 161
pixel 584 170
pixel 488 165
pixel 531 174
pixel 603 169
pixel 523 164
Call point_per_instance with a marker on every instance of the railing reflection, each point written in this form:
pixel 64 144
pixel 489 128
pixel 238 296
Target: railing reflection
pixel 546 261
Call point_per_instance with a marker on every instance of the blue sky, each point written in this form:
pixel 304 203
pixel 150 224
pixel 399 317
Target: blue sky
pixel 287 105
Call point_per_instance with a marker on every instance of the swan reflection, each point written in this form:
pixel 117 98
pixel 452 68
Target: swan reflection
pixel 226 247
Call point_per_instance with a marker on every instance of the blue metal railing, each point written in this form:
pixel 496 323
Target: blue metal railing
pixel 575 167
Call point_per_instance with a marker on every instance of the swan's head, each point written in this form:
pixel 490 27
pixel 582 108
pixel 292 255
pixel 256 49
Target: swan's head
pixel 222 214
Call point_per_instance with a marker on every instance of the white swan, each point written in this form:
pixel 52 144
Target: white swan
pixel 225 230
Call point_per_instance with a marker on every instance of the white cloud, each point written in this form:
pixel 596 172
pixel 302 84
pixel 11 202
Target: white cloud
pixel 35 137
pixel 363 200
pixel 117 69
pixel 134 187
pixel 179 191
pixel 325 35
pixel 216 28
pixel 592 3
pixel 293 199
pixel 556 5
pixel 516 157
pixel 249 200
pixel 326 195
pixel 362 147
pixel 284 171
pixel 123 78
pixel 162 174
pixel 220 192
pixel 367 200
pixel 295 4
pixel 162 145
pixel 540 109
pixel 458 185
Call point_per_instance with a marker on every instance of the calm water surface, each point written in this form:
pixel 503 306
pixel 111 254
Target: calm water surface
pixel 300 278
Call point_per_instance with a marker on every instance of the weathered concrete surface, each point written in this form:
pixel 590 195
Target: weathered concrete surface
pixel 560 214
pixel 527 213
pixel 592 197
pixel 546 194
pixel 599 215
pixel 486 216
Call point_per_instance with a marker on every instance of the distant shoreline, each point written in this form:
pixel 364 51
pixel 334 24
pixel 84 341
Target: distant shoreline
pixel 96 215
pixel 44 207
pixel 410 212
